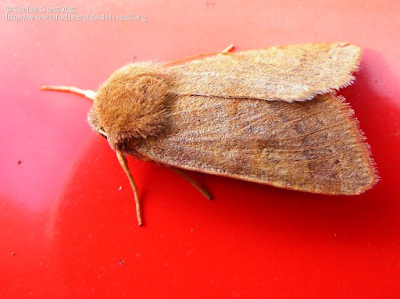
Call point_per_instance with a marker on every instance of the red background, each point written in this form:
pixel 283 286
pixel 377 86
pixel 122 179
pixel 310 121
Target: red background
pixel 67 231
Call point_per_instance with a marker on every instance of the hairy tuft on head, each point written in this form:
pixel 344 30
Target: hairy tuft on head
pixel 132 104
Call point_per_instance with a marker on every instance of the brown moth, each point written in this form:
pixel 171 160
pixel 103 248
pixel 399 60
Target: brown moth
pixel 267 116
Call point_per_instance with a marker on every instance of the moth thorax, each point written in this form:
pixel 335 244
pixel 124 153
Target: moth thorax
pixel 132 104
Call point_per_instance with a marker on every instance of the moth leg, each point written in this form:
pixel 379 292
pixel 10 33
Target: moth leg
pixel 90 94
pixel 228 49
pixel 124 163
pixel 203 191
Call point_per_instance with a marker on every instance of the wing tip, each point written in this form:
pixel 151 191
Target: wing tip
pixel 363 145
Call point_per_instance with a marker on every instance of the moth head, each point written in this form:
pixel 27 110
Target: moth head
pixel 131 104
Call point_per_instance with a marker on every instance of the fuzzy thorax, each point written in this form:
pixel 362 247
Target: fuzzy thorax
pixel 131 104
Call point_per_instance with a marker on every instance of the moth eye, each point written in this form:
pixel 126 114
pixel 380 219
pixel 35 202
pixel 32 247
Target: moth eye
pixel 102 132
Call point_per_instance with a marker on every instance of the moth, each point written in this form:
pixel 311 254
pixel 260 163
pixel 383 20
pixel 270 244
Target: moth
pixel 268 116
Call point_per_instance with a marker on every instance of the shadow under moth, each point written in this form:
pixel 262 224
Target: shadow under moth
pixel 267 116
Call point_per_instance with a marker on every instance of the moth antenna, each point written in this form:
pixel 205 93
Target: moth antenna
pixel 228 49
pixel 187 59
pixel 124 163
pixel 90 94
pixel 203 191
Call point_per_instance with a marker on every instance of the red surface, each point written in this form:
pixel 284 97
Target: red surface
pixel 67 231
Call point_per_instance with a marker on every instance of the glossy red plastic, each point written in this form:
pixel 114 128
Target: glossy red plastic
pixel 68 223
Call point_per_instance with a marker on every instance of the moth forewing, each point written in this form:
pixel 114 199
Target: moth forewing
pixel 314 146
pixel 287 73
